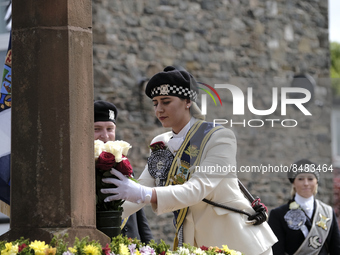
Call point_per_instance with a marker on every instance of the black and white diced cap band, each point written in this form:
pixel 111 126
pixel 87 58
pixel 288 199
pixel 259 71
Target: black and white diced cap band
pixel 167 89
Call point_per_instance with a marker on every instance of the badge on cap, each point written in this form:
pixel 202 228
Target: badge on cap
pixel 111 115
pixel 164 89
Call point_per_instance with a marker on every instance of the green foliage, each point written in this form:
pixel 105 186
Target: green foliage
pixel 80 244
pixel 335 57
pixel 60 243
pixel 114 245
pixel 159 248
pixel 27 251
pixel 2 245
pixel 335 67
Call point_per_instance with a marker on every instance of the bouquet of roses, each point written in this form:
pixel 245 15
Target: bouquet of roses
pixel 111 154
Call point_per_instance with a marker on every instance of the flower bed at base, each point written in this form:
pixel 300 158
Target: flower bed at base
pixel 119 245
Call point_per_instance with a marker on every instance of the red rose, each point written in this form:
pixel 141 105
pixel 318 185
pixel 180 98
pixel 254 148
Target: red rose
pixel 105 161
pixel 158 146
pixel 125 167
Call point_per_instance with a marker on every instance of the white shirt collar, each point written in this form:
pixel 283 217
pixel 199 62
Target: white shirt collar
pixel 177 139
pixel 184 130
pixel 307 204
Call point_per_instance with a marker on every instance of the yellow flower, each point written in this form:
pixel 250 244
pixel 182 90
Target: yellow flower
pixel 73 250
pixel 91 250
pixel 98 148
pixel 123 249
pixel 225 248
pixel 50 251
pixel 137 252
pixel 38 247
pixel 10 249
pixel 233 252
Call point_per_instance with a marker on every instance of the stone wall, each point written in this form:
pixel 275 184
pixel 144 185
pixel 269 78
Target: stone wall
pixel 248 43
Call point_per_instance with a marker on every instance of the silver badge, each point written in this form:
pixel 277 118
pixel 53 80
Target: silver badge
pixel 315 242
pixel 159 164
pixel 295 219
pixel 164 89
pixel 111 115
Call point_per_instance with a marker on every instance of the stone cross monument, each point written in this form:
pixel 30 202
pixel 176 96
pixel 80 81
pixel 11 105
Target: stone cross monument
pixel 52 165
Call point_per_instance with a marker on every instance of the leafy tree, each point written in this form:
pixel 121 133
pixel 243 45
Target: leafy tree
pixel 335 66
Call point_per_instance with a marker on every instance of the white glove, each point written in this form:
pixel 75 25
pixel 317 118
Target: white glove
pixel 126 189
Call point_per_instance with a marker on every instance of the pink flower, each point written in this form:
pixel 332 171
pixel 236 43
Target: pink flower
pixel 21 247
pixel 204 248
pixel 147 250
pixel 106 249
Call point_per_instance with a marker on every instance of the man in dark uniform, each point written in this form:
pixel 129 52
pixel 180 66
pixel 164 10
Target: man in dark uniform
pixel 105 115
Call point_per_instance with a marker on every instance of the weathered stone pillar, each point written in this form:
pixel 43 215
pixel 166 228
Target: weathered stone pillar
pixel 52 176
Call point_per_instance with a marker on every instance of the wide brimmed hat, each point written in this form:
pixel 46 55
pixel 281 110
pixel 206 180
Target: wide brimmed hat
pixel 105 111
pixel 303 166
pixel 172 82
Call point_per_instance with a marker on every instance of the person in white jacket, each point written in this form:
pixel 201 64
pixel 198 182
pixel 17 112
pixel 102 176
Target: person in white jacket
pixel 187 165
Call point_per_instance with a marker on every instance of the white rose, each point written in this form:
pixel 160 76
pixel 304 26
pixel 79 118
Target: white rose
pixel 119 157
pixel 114 148
pixel 125 147
pixel 98 148
pixel 294 206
